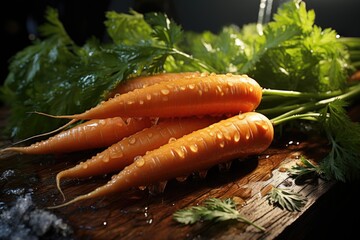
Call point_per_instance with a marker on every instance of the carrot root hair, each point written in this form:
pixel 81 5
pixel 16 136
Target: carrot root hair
pixel 58 185
pixel 79 198
pixel 10 148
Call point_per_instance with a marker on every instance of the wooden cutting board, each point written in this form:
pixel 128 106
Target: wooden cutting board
pixel 138 214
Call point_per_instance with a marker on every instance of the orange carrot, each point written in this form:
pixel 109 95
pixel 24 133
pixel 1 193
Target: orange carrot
pixel 148 80
pixel 236 137
pixel 213 94
pixel 92 134
pixel 124 152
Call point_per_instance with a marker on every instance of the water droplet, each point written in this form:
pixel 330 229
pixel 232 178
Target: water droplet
pixel 148 96
pixel 179 152
pixel 116 153
pixel 130 102
pixel 222 144
pixel 239 201
pixel 191 86
pixel 194 148
pixel 247 135
pixel 139 161
pixel 132 140
pixel 172 139
pixel 263 126
pixel 141 102
pixel 266 190
pixel 165 91
pixel 84 165
pixel 251 89
pixel 236 136
pixel 219 135
pixel 241 116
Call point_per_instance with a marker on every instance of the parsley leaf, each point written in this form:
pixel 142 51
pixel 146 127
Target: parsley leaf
pixel 286 199
pixel 212 209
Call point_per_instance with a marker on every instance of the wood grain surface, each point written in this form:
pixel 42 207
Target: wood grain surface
pixel 138 214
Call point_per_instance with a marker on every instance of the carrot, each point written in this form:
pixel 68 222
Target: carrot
pixel 213 94
pixel 92 134
pixel 123 153
pixel 236 137
pixel 148 80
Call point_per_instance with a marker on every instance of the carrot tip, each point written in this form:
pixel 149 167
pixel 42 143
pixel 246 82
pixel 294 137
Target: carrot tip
pixel 47 133
pixel 59 187
pixel 81 197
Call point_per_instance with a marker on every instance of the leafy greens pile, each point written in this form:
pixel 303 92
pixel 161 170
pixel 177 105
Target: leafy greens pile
pixel 303 69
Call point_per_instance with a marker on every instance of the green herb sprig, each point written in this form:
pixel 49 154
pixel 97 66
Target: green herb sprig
pixel 286 199
pixel 212 209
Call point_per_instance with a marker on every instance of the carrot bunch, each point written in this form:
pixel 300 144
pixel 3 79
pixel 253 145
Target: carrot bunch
pixel 162 127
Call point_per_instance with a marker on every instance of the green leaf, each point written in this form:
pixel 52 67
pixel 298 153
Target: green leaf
pixel 212 209
pixel 286 199
pixel 343 161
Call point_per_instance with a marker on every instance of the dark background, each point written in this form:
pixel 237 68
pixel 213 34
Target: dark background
pixel 84 18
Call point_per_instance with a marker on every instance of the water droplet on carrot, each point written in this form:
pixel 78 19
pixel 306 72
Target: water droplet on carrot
pixel 191 86
pixel 194 148
pixel 247 135
pixel 241 117
pixel 84 165
pixel 148 96
pixel 165 91
pixel 236 136
pixel 179 152
pixel 132 140
pixel 139 161
pixel 172 139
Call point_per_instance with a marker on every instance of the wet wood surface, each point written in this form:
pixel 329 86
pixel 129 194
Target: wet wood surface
pixel 138 214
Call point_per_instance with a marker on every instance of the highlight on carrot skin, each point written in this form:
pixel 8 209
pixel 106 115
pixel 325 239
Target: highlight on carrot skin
pixel 92 134
pixel 201 95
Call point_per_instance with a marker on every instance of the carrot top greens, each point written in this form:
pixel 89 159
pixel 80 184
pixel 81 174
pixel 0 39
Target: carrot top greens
pixel 303 69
